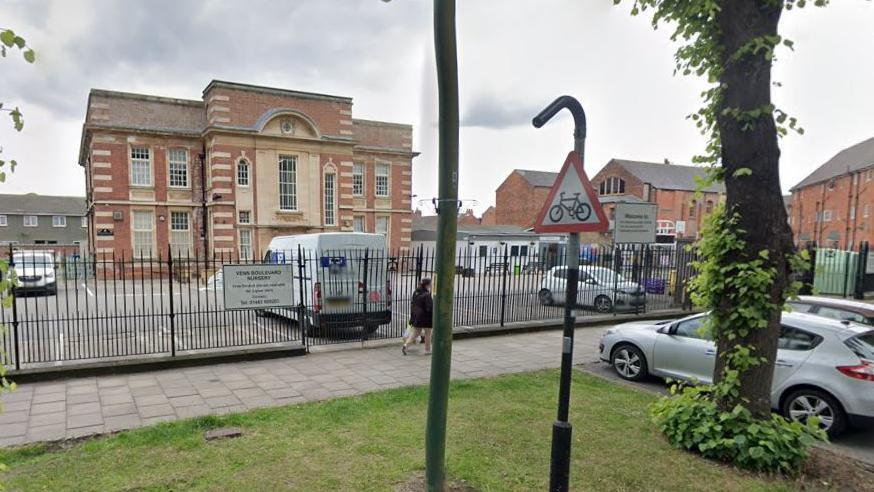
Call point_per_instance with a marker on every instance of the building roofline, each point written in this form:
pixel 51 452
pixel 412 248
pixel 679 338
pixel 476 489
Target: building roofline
pixel 273 90
pixel 382 123
pixel 144 97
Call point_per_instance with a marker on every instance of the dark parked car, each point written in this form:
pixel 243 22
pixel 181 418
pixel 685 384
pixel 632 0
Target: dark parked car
pixel 840 309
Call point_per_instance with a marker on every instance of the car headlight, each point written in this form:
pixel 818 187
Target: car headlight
pixel 610 331
pixel 50 274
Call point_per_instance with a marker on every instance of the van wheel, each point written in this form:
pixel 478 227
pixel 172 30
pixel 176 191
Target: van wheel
pixel 545 297
pixel 311 328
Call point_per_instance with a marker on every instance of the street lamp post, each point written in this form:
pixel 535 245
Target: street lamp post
pixel 559 472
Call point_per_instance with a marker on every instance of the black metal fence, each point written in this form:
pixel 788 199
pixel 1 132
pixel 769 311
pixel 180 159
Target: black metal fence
pixel 117 307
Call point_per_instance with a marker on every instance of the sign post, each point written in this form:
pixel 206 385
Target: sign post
pixel 571 207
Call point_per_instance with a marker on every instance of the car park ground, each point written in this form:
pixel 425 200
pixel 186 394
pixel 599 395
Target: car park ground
pixel 99 319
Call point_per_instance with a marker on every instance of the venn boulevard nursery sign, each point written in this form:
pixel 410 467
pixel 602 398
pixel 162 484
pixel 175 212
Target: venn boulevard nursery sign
pixel 258 286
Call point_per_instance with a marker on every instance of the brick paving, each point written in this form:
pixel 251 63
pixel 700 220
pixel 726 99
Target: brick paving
pixel 76 407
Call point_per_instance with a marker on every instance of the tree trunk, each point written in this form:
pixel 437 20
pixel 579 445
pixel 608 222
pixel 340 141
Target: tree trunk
pixel 757 197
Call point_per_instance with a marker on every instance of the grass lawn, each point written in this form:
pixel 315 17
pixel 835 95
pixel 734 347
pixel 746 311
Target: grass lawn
pixel 499 439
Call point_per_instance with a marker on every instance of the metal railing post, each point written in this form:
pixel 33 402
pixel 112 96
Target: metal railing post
pixel 301 306
pixel 364 294
pixel 172 310
pixel 14 309
pixel 861 267
pixel 505 267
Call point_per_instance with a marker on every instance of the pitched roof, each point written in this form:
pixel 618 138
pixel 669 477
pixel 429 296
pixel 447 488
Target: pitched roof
pixel 619 199
pixel 538 179
pixel 663 176
pixel 668 176
pixel 34 204
pixel 854 158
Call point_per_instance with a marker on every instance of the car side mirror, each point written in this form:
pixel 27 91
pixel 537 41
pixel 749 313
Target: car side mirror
pixel 665 330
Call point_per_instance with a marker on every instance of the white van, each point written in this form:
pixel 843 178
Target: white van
pixel 339 291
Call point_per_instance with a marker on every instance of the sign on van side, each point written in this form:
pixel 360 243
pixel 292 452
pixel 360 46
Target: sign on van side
pixel 258 286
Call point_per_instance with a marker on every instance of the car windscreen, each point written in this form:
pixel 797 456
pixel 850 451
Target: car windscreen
pixel 862 345
pixel 32 260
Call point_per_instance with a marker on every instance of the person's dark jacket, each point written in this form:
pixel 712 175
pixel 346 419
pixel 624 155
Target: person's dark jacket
pixel 422 309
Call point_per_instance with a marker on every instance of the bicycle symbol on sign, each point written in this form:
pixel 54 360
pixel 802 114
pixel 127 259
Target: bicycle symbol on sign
pixel 575 208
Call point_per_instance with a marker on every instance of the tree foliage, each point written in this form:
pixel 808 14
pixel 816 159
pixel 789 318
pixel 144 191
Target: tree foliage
pixel 743 274
pixel 9 41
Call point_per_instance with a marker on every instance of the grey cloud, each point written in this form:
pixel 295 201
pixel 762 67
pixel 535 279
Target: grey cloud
pixel 488 111
pixel 305 44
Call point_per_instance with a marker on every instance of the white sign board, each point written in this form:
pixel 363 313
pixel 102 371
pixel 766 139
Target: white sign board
pixel 572 205
pixel 635 223
pixel 681 227
pixel 258 286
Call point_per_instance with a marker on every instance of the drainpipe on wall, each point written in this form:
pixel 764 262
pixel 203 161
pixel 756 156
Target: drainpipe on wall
pixel 204 214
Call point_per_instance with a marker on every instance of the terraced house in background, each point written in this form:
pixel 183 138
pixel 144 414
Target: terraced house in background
pixel 834 205
pixel 225 174
pixel 33 219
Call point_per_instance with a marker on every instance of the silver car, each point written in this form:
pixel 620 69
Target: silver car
pixel 35 271
pixel 600 288
pixel 824 368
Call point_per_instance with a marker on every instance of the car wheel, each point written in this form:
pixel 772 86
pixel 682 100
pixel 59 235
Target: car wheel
pixel 805 403
pixel 545 297
pixel 603 304
pixel 629 363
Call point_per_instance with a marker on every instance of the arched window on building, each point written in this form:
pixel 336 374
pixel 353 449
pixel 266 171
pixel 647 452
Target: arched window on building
pixel 242 172
pixel 612 185
pixel 693 208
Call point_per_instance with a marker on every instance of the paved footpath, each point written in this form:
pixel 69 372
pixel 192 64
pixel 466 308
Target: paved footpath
pixel 62 409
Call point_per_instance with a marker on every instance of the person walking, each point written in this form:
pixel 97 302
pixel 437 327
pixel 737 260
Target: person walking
pixel 421 313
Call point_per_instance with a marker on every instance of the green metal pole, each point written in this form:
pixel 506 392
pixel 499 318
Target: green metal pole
pixel 447 228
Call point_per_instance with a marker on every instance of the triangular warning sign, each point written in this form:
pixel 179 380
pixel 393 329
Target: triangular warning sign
pixel 572 205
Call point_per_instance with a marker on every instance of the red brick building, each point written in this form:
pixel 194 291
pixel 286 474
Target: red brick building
pixel 672 187
pixel 520 197
pixel 225 174
pixel 834 205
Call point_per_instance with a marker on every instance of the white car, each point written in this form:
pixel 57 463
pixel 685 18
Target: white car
pixel 599 287
pixel 35 271
pixel 824 367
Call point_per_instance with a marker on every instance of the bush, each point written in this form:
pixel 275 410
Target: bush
pixel 691 420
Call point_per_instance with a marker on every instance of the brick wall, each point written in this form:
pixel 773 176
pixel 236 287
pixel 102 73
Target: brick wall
pixel 227 106
pixel 517 202
pixel 837 213
pixel 112 198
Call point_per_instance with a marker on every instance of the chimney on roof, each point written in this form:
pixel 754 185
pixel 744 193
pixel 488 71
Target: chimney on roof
pixel 667 161
pixel 417 214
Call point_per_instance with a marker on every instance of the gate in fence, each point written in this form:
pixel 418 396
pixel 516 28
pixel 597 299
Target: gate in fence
pixel 840 272
pixel 118 307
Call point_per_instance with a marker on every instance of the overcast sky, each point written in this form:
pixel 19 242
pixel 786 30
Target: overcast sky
pixel 515 57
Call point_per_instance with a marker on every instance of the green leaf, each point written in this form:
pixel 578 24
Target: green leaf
pixel 744 171
pixel 30 56
pixel 7 37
